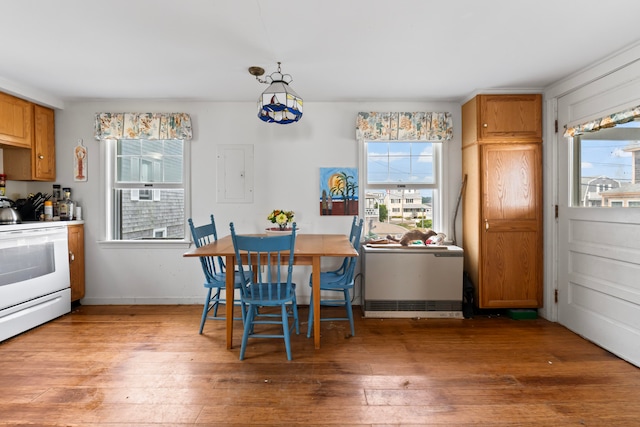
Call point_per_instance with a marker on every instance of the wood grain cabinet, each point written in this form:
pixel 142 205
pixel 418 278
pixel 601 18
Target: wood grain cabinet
pixel 502 205
pixel 76 260
pixel 508 118
pixel 16 121
pixel 38 163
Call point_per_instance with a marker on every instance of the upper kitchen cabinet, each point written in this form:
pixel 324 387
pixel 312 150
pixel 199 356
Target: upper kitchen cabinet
pixel 43 158
pixel 38 162
pixel 503 118
pixel 16 121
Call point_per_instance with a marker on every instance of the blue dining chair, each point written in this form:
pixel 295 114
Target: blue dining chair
pixel 215 274
pixel 265 261
pixel 356 226
pixel 339 281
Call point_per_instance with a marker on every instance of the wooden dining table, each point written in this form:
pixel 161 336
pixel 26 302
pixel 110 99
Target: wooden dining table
pixel 309 249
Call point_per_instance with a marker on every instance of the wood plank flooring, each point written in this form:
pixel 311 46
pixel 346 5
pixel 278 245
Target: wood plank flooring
pixel 147 366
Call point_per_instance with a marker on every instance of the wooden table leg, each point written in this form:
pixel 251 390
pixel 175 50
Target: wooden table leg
pixel 315 288
pixel 229 297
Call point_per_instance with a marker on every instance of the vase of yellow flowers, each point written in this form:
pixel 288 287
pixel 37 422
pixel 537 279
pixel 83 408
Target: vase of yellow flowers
pixel 281 219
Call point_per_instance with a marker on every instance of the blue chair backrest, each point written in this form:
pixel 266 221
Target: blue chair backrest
pixel 354 226
pixel 271 252
pixel 203 235
pixel 354 238
pixel 351 262
pixel 356 231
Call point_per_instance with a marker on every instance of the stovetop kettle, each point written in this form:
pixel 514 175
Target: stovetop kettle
pixel 8 212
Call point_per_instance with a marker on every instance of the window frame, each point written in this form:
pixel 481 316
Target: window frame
pixel 580 182
pixel 108 175
pixel 438 187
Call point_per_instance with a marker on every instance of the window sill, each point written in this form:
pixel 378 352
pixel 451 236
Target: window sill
pixel 144 244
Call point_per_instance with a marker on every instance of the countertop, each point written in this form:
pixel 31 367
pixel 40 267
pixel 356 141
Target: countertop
pixel 26 225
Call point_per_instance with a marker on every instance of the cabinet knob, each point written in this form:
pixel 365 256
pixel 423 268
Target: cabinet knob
pixel 72 257
pixel 484 125
pixel 486 225
pixel 40 156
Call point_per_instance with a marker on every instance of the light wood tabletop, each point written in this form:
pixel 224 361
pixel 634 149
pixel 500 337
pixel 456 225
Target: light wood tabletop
pixel 309 249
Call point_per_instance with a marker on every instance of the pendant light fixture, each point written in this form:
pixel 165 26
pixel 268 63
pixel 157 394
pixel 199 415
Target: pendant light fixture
pixel 279 103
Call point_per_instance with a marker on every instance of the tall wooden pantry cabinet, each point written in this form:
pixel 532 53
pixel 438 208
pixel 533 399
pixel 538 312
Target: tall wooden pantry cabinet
pixel 502 204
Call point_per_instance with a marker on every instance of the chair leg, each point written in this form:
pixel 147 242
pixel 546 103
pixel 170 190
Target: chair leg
pixel 347 306
pixel 215 304
pixel 243 309
pixel 285 330
pixel 205 310
pixel 310 322
pixel 248 328
pixel 294 309
pixel 255 313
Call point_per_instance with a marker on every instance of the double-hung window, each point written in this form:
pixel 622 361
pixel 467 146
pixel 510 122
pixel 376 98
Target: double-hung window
pixel 402 186
pixel 145 174
pixel 401 156
pixel 147 188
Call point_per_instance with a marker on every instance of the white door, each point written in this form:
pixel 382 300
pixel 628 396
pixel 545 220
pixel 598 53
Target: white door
pixel 598 248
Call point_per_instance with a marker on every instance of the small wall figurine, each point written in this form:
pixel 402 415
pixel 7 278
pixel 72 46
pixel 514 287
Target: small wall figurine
pixel 80 162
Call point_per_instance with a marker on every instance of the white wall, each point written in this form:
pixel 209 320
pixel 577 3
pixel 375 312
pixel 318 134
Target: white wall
pixel 287 162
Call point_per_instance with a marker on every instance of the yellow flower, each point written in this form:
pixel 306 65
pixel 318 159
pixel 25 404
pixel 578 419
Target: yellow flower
pixel 280 217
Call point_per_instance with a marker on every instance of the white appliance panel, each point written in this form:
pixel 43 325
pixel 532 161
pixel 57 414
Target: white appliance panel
pixel 22 317
pixel 413 282
pixel 34 276
pixel 34 263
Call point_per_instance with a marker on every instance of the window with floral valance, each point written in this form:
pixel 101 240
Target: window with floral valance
pixel 402 167
pixel 605 160
pixel 609 121
pixel 404 126
pixel 150 126
pixel 146 164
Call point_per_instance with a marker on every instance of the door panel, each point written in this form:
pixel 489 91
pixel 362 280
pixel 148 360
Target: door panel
pixel 510 118
pixel 598 248
pixel 512 239
pixel 512 269
pixel 511 184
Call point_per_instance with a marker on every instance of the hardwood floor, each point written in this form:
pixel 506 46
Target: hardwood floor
pixel 147 366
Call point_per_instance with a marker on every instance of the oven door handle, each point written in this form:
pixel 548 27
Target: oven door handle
pixel 32 232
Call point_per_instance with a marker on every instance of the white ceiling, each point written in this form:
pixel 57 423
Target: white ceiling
pixel 335 50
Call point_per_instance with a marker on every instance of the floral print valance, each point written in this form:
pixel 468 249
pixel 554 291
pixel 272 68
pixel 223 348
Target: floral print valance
pixel 143 126
pixel 421 126
pixel 605 122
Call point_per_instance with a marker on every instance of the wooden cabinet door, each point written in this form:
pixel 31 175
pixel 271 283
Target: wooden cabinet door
pixel 16 121
pixel 38 162
pixel 507 118
pixel 43 156
pixel 76 260
pixel 511 266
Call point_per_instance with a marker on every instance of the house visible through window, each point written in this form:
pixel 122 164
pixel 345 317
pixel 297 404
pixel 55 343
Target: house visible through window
pixel 160 232
pixel 146 196
pixel 401 186
pixel 606 167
